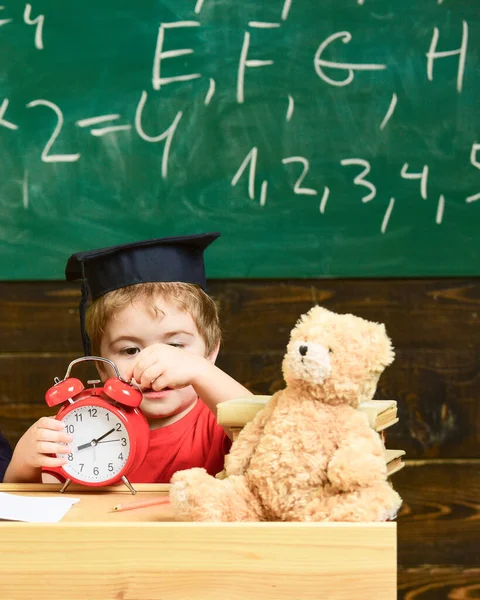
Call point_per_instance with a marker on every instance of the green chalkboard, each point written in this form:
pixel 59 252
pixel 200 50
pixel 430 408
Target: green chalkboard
pixel 335 138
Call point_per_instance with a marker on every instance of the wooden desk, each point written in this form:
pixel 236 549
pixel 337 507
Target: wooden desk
pixel 93 554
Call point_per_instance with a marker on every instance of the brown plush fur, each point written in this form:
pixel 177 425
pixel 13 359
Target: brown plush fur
pixel 309 455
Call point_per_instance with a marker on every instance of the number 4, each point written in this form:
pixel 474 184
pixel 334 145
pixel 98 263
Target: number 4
pixel 423 176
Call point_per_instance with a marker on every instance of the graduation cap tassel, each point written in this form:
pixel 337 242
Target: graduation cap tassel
pixel 83 309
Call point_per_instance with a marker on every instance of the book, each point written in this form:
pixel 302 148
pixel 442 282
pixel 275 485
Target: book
pixel 240 411
pixel 394 461
pixel 381 413
pixel 236 413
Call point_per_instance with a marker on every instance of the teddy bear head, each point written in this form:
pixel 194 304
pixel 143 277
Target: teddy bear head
pixel 335 358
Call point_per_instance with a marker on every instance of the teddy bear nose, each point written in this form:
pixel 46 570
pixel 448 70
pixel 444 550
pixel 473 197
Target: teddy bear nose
pixel 303 350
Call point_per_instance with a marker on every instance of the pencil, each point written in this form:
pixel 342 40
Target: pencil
pixel 140 504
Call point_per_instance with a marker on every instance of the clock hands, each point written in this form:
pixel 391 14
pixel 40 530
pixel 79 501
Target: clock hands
pixel 95 442
pixel 83 446
pixel 103 436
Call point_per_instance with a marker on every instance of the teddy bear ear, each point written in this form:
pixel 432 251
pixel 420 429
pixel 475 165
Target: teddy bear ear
pixel 383 345
pixel 314 314
pixel 317 313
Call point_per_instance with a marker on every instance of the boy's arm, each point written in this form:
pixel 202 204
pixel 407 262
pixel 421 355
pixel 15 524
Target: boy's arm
pixel 162 365
pixel 214 386
pixel 45 437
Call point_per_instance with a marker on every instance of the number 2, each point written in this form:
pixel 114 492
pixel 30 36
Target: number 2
pixel 306 165
pixel 46 157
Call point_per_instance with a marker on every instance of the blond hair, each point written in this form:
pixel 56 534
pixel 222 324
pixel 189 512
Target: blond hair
pixel 185 296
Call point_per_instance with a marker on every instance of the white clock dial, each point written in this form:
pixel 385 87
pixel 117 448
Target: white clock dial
pixel 100 446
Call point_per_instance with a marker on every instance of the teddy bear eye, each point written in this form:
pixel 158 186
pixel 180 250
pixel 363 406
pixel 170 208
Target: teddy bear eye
pixel 330 351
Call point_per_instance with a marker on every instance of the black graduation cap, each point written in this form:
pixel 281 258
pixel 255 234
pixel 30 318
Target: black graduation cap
pixel 164 259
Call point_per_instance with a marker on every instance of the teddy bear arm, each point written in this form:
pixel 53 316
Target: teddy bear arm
pixel 358 462
pixel 238 459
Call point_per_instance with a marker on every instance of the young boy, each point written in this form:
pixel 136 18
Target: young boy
pixel 150 316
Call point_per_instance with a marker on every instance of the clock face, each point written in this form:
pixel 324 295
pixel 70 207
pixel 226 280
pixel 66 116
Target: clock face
pixel 101 444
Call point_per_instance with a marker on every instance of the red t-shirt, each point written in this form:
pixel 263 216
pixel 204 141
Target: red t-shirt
pixel 196 440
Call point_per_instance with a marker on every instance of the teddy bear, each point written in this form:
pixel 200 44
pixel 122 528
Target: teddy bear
pixel 308 455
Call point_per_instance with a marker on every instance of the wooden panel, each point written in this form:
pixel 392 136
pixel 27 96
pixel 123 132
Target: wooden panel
pixel 39 317
pixel 140 561
pixel 418 313
pixel 439 523
pixel 25 379
pixel 439 583
pixel 438 410
pixel 435 326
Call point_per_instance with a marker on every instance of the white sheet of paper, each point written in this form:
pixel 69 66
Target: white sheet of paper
pixel 34 509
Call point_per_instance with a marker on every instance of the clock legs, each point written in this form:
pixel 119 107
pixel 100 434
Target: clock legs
pixel 124 479
pixel 65 485
pixel 129 485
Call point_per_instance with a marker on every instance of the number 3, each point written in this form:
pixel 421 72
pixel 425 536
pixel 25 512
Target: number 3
pixel 359 179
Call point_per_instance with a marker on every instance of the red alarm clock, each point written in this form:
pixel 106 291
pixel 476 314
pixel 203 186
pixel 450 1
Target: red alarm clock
pixel 110 433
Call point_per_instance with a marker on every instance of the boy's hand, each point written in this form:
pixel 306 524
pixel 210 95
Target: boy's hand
pixel 162 366
pixel 46 436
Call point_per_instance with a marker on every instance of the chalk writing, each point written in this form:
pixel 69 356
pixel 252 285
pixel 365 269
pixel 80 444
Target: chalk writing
pixel 160 55
pixel 352 120
pixel 432 55
pixel 211 91
pixel 387 215
pixel 323 201
pixel 360 179
pixel 198 6
pixel 423 177
pixel 250 159
pixel 38 21
pixel 25 198
pixel 243 63
pixel 390 110
pixel 263 25
pixel 320 64
pixel 286 9
pixel 304 162
pixel 166 135
pixel 473 155
pixel 3 121
pixel 291 107
pixel 263 193
pixel 440 209
pixel 103 130
pixel 4 21
pixel 46 157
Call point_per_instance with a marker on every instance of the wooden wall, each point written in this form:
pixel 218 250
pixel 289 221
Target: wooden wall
pixel 435 328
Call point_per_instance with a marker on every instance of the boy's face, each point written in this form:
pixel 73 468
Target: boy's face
pixel 137 326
